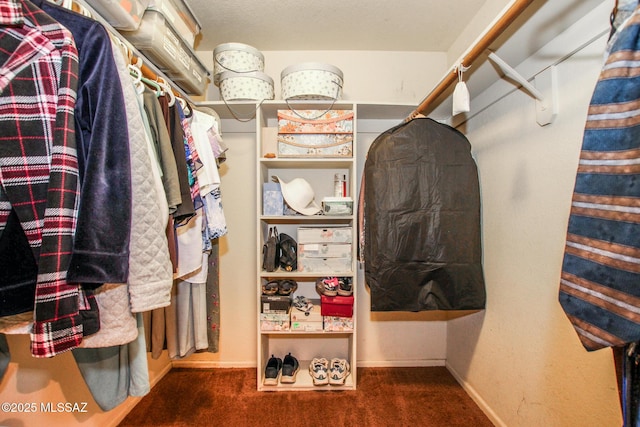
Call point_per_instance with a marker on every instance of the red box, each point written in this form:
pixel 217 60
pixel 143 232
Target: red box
pixel 336 306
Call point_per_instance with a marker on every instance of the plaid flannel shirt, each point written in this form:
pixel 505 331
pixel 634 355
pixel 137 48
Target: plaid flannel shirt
pixel 38 162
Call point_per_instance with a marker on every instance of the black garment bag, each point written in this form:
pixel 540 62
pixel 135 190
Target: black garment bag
pixel 422 248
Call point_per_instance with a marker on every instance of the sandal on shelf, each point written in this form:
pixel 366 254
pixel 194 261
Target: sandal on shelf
pixel 344 286
pixel 327 286
pixel 271 287
pixel 287 287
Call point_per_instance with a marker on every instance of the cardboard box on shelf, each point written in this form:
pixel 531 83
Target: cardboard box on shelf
pixel 275 321
pixel 309 322
pixel 325 235
pixel 313 316
pixel 272 201
pixel 338 324
pixel 275 303
pixel 315 133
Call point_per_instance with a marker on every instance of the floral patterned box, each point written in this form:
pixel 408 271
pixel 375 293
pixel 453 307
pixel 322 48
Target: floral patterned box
pixel 338 324
pixel 275 321
pixel 315 133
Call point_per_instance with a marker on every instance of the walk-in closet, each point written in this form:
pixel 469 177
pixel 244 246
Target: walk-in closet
pixel 353 213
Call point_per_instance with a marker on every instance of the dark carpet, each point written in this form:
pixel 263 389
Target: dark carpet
pixel 425 396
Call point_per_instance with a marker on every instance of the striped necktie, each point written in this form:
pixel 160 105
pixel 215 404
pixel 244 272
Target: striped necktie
pixel 600 282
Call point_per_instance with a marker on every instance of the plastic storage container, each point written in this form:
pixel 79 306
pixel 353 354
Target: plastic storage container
pixel 181 17
pixel 236 57
pixel 157 39
pixel 121 14
pixel 254 85
pixel 311 80
pixel 194 79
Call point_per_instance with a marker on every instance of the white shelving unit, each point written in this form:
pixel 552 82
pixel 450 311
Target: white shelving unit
pixel 319 172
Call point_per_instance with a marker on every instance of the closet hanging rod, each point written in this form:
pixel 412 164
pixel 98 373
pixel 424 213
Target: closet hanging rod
pixel 472 54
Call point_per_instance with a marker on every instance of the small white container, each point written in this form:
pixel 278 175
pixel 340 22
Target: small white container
pixel 311 80
pixel 236 57
pixel 253 86
pixel 340 185
pixel 337 205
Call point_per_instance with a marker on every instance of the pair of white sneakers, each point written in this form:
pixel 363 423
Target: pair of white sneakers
pixel 333 372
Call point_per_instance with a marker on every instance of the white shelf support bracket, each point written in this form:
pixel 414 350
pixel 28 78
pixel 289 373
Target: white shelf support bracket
pixel 547 107
pixel 514 75
pixel 544 91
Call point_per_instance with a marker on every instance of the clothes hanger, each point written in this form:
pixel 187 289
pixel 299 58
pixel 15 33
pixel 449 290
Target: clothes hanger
pixel 185 105
pixel 76 7
pixel 136 73
pixel 159 91
pixel 167 90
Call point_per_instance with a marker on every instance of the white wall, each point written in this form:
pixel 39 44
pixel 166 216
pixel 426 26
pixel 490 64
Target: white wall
pixel 520 358
pixel 379 77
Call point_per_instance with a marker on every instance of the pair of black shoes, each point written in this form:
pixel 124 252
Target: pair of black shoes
pixel 284 371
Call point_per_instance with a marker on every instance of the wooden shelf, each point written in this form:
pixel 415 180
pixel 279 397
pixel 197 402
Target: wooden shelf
pixel 304 382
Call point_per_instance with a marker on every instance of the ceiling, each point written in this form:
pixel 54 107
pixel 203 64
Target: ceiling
pixel 407 25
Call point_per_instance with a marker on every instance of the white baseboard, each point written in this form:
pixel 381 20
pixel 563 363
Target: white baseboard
pixel 400 363
pixel 208 364
pixel 482 404
pixel 205 364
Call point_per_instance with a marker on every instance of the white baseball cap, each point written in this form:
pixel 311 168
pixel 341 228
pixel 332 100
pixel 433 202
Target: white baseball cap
pixel 299 194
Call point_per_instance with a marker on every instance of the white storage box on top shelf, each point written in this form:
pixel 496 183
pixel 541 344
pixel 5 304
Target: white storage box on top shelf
pixel 181 17
pixel 121 14
pixel 254 86
pixel 157 39
pixel 312 80
pixel 236 57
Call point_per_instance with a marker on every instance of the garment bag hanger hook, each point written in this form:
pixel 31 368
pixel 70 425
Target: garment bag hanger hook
pixel 460 69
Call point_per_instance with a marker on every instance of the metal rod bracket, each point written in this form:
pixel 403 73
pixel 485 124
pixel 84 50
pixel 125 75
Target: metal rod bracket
pixel 547 107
